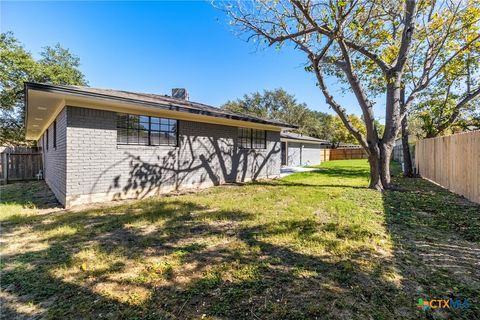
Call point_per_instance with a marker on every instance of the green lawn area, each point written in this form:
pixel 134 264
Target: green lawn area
pixel 312 245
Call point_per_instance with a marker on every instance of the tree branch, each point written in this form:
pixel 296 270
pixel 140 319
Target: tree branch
pixel 332 35
pixel 426 77
pixel 469 97
pixel 336 107
pixel 407 35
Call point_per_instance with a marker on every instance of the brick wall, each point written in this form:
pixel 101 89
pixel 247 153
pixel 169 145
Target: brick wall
pixel 54 158
pixel 99 169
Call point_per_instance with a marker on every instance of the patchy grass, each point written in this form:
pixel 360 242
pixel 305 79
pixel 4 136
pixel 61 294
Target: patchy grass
pixel 21 199
pixel 312 245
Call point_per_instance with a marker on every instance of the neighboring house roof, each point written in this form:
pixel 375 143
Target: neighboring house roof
pixel 150 100
pixel 301 138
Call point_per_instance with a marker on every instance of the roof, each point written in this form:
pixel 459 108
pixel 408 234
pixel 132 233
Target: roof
pixel 156 100
pixel 301 137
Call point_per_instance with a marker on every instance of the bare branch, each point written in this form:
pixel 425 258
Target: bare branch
pixel 336 107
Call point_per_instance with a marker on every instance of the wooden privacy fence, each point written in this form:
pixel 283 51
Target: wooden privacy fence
pixel 324 155
pixel 342 154
pixel 452 162
pixel 20 164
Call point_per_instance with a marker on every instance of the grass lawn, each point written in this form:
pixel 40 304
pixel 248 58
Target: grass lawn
pixel 312 245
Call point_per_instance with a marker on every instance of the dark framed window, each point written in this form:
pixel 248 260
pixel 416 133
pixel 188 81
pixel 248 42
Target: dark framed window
pixel 252 138
pixel 46 134
pixel 146 130
pixel 55 133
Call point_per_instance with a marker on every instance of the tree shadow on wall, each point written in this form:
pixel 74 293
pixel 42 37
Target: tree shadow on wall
pixel 198 162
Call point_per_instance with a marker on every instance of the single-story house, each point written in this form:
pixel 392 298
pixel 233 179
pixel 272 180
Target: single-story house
pixel 102 144
pixel 300 150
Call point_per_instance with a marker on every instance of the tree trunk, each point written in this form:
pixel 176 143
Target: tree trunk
pixel 374 161
pixel 407 157
pixel 385 157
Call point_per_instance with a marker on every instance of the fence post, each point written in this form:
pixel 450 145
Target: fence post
pixel 5 167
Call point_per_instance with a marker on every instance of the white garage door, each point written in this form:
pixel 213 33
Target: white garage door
pixel 311 155
pixel 303 154
pixel 293 155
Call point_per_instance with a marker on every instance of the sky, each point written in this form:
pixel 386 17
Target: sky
pixel 155 46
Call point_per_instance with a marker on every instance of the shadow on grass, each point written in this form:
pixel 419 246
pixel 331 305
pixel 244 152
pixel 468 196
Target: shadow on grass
pixel 436 238
pixel 252 277
pixel 31 194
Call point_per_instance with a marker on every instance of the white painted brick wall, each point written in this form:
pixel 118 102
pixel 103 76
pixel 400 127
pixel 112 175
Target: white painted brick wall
pixel 207 155
pixel 54 159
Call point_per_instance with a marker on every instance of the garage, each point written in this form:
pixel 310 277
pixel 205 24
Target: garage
pixel 300 150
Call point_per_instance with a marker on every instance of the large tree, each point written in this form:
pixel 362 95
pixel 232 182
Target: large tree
pixel 371 46
pixel 56 65
pixel 280 105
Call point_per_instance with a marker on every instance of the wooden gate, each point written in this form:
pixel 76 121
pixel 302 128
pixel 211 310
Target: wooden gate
pixel 24 164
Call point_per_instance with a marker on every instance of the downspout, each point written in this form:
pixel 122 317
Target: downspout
pixel 301 154
pixel 286 153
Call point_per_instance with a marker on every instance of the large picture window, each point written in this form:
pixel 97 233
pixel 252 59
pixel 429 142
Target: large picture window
pixel 252 138
pixel 145 130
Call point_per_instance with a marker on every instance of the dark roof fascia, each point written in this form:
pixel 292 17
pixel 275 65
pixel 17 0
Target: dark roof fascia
pixel 165 106
pixel 307 141
pixel 304 138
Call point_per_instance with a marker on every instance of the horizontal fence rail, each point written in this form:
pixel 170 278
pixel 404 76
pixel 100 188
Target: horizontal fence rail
pixel 452 162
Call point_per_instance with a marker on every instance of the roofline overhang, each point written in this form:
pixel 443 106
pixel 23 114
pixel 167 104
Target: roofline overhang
pixel 304 141
pixel 163 106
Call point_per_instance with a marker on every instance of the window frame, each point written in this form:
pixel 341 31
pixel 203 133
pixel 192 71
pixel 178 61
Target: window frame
pixel 46 134
pixel 55 134
pixel 248 138
pixel 148 127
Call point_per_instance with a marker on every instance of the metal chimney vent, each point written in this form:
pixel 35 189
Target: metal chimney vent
pixel 180 93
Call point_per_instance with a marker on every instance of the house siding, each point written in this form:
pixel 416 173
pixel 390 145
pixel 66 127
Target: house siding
pixel 54 159
pixel 97 169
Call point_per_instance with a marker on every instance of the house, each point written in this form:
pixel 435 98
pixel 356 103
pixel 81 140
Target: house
pixel 301 150
pixel 101 144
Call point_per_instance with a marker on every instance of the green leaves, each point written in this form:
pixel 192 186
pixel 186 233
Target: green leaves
pixel 57 65
pixel 278 104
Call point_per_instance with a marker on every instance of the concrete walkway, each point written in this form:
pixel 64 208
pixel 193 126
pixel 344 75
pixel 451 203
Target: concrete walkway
pixel 285 171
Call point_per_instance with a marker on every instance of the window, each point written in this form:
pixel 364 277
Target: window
pixel 252 138
pixel 259 138
pixel 55 133
pixel 145 130
pixel 46 133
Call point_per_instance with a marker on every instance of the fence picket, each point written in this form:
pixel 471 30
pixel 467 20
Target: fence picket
pixel 20 164
pixel 452 162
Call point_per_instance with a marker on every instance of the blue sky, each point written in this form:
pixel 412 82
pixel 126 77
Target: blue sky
pixel 155 46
